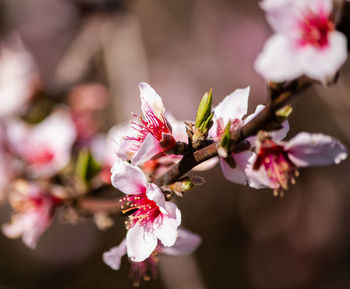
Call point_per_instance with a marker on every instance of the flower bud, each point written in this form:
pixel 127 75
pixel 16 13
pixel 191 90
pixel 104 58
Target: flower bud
pixel 204 109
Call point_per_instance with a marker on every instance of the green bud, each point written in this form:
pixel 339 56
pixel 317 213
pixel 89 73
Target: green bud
pixel 184 185
pixel 284 112
pixel 225 142
pixel 86 167
pixel 204 109
pixel 207 124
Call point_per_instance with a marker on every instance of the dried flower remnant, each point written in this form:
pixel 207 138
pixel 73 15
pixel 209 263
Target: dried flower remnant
pixel 33 208
pixel 186 243
pixel 305 42
pixel 280 160
pixel 150 216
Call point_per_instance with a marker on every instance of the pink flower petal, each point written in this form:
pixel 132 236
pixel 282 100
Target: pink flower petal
pixel 140 243
pixel 151 100
pixel 167 231
pixel 148 149
pixel 155 194
pixel 278 60
pixel 186 243
pixel 173 212
pixel 315 150
pixel 128 178
pixel 113 257
pixel 233 106
pixel 235 175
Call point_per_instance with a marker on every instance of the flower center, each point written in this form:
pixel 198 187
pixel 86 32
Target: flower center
pixel 315 29
pixel 151 124
pixel 41 156
pixel 143 211
pixel 277 164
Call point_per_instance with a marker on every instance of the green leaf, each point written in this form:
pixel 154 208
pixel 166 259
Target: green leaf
pixel 87 167
pixel 225 142
pixel 204 109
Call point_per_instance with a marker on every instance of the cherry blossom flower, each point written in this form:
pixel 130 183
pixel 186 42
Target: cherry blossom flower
pixel 33 212
pixel 102 147
pixel 233 109
pixel 19 76
pixel 44 147
pixel 280 160
pixel 186 243
pixel 305 42
pixel 152 135
pixel 151 217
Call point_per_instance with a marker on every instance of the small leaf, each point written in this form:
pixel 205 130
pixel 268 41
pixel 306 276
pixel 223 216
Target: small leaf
pixel 204 108
pixel 87 167
pixel 284 112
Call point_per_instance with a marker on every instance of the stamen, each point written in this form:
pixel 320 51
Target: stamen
pixel 277 165
pixel 150 124
pixel 315 29
pixel 144 211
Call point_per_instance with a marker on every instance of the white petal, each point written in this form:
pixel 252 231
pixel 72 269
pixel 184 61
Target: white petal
pixel 235 175
pixel 256 179
pixel 278 61
pixel 113 257
pixel 244 161
pixel 281 15
pixel 16 227
pixel 315 150
pixel 285 15
pixel 32 234
pixel 167 231
pixel 186 243
pixel 117 144
pixel 243 173
pixel 173 212
pixel 140 243
pixel 233 106
pixel 56 134
pixel 178 128
pixel 128 178
pixel 317 6
pixel 57 130
pixel 258 109
pixel 148 149
pixel 19 76
pixel 121 148
pixel 150 100
pixel 155 194
pixel 280 134
pixel 323 63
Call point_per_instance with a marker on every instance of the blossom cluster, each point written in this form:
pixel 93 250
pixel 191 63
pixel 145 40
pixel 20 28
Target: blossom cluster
pixel 60 158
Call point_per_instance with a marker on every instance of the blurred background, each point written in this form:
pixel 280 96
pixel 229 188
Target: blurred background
pixel 251 239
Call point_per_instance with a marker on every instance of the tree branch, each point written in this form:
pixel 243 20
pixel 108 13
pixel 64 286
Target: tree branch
pixel 280 95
